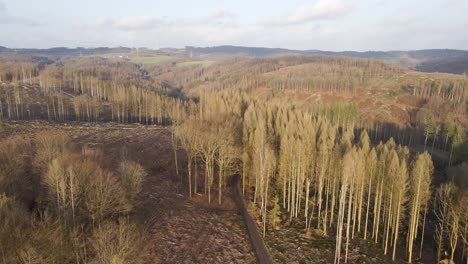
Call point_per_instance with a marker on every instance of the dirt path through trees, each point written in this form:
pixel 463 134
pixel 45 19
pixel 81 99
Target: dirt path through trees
pixel 263 257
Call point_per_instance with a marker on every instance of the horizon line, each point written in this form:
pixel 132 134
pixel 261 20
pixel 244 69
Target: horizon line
pixel 228 45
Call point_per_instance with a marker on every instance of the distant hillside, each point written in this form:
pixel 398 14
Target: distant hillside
pixel 434 60
pixel 457 65
pixel 63 51
pixel 249 51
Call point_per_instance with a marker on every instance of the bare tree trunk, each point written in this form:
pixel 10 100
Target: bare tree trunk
pixel 350 203
pixel 422 234
pixel 189 170
pixel 196 177
pixel 306 208
pixel 368 204
pixel 220 183
pixel 396 229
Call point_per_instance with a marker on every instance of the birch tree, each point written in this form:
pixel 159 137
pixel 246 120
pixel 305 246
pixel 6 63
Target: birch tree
pixel 421 173
pixel 190 141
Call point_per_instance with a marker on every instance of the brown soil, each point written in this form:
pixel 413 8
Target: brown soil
pixel 178 229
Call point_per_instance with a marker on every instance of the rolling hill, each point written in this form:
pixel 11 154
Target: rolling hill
pixel 433 60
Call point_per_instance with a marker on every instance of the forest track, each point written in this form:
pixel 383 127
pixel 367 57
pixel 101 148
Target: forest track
pixel 261 252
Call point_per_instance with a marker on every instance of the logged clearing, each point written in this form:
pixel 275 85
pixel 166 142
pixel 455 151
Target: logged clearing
pixel 176 228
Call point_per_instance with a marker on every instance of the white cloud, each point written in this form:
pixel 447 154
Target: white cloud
pixel 137 23
pixel 321 10
pixel 126 23
pixel 218 26
pixel 104 22
pixel 219 17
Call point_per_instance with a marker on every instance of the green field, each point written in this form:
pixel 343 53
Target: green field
pixel 150 60
pixel 204 63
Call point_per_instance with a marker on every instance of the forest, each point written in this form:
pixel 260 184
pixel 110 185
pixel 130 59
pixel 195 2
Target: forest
pixel 365 157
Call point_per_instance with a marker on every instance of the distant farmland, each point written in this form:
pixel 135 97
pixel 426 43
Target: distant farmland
pixel 204 63
pixel 150 60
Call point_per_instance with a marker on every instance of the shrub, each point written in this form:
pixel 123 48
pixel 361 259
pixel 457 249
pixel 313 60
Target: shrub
pixel 52 242
pixel 14 158
pixel 12 228
pixel 78 187
pixel 105 197
pixel 121 243
pixel 131 175
pixel 50 144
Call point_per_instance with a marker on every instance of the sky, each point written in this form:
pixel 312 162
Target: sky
pixel 335 25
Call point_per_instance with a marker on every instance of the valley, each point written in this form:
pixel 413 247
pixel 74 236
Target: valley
pixel 131 160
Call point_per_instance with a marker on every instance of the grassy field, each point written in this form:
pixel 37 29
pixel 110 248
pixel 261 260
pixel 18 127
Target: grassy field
pixel 150 60
pixel 204 63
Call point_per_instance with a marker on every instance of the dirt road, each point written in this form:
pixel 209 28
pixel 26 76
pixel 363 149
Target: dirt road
pixel 263 257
